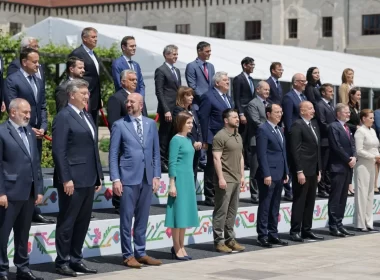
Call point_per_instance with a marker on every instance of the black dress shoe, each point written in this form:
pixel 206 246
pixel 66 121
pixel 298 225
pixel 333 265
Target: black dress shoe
pixel 263 242
pixel 209 202
pixel 38 218
pixel 4 277
pixel 92 216
pixel 336 233
pixel 362 230
pixel 66 270
pixel 288 198
pixel 372 230
pixel 117 211
pixel 346 232
pixel 81 267
pixel 311 236
pixel 323 195
pixel 164 168
pixel 277 241
pixel 296 237
pixel 27 276
pixel 254 200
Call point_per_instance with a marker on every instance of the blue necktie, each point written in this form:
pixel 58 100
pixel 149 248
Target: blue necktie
pixel 303 97
pixel 131 64
pixel 251 85
pixel 226 100
pixel 24 139
pixel 139 131
pixel 33 85
pixel 174 75
pixel 278 133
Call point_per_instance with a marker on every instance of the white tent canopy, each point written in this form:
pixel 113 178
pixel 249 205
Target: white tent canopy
pixel 226 54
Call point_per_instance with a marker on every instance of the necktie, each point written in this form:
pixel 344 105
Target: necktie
pixel 81 114
pixel 312 130
pixel 278 133
pixel 331 105
pixel 265 103
pixel 33 85
pixel 251 85
pixel 205 70
pixel 279 88
pixel 139 131
pixel 93 57
pixel 226 100
pixel 24 138
pixel 303 97
pixel 131 64
pixel 174 75
pixel 347 131
pixel 277 84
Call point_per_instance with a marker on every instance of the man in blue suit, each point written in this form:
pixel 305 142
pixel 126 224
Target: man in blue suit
pixel 20 186
pixel 135 171
pixel 2 84
pixel 342 160
pixel 199 73
pixel 275 94
pixel 77 175
pixel 272 174
pixel 212 105
pixel 290 106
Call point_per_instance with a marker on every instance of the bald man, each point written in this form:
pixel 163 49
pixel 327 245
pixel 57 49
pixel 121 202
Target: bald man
pixel 135 171
pixel 306 168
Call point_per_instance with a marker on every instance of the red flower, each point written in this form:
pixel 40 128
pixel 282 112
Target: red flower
pixel 251 217
pixel 29 247
pixel 169 232
pixel 108 194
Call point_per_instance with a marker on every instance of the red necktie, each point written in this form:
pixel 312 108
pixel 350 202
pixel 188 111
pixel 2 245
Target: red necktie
pixel 205 70
pixel 347 131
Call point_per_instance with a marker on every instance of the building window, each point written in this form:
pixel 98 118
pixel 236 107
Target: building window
pixel 327 26
pixel 14 28
pixel 371 25
pixel 218 30
pixel 253 30
pixel 150 27
pixel 182 28
pixel 292 26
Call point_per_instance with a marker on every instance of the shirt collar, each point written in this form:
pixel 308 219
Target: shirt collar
pixel 274 79
pixel 139 118
pixel 235 133
pixel 26 75
pixel 203 62
pixel 87 49
pixel 71 78
pixel 260 98
pixel 169 65
pixel 220 93
pixel 325 100
pixel 15 125
pixel 74 108
pixel 296 91
pixel 272 124
pixel 127 58
pixel 342 123
pixel 246 75
pixel 305 120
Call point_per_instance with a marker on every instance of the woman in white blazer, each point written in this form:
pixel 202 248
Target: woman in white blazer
pixel 367 149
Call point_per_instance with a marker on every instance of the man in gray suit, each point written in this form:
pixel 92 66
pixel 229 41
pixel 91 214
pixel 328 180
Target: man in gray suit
pixel 255 112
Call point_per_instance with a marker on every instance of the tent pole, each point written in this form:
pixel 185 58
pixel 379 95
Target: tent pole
pixel 371 95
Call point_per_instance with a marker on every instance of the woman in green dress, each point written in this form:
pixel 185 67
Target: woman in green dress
pixel 181 210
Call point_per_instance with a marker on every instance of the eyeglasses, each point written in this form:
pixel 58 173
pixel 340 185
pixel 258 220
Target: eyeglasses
pixel 302 81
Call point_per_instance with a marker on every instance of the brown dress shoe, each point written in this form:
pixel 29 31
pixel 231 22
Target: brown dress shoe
pixel 131 262
pixel 149 261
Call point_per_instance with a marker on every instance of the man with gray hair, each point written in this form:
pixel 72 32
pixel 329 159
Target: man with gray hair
pixel 212 105
pixel 167 80
pixel 77 175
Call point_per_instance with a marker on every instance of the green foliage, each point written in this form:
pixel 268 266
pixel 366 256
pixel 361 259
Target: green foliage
pixel 104 145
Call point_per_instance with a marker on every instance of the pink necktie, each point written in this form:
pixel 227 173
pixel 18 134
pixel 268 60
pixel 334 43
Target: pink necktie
pixel 205 70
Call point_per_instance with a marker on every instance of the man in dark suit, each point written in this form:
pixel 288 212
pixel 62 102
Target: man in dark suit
pixel 243 92
pixel 74 70
pixel 325 114
pixel 275 95
pixel 24 84
pixel 77 174
pixel 306 168
pixel 15 65
pixel 290 106
pixel 272 174
pixel 213 103
pixel 199 73
pixel 1 85
pixel 255 113
pixel 92 69
pixel 167 80
pixel 21 186
pixel 342 160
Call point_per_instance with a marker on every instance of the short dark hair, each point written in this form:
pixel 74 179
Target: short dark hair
pixel 201 45
pixel 181 120
pixel 323 87
pixel 25 53
pixel 71 62
pixel 247 60
pixel 125 40
pixel 226 113
pixel 269 108
pixel 274 65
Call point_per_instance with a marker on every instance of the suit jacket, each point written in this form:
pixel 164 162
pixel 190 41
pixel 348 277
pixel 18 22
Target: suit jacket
pixel 271 154
pixel 341 148
pixel 60 95
pixel 312 94
pixel 210 114
pixel 275 94
pixel 305 148
pixel 255 113
pixel 291 109
pixel 75 150
pixel 377 122
pixel 196 79
pixel 325 116
pixel 196 134
pixel 19 169
pixel 91 75
pixel 119 65
pixel 17 86
pixel 242 92
pixel 1 79
pixel 16 65
pixel 166 88
pixel 130 160
pixel 116 108
pixel 354 120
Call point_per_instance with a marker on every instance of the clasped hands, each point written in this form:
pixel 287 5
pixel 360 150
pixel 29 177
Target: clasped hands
pixel 4 200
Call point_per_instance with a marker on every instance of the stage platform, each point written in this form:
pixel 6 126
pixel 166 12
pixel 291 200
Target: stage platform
pixel 103 237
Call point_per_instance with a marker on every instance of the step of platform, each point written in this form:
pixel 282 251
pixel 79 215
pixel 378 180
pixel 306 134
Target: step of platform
pixel 103 237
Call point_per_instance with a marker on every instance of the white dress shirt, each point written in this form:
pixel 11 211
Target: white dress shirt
pixel 91 54
pixel 85 118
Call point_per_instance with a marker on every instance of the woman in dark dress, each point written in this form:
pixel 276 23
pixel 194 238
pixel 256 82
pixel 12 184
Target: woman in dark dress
pixel 313 83
pixel 184 100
